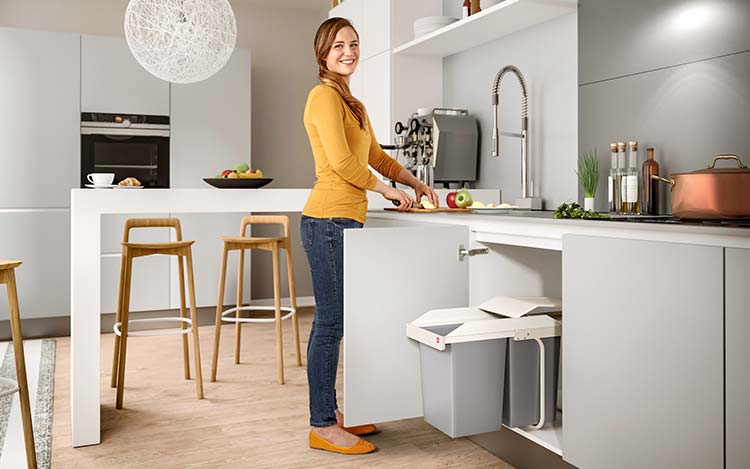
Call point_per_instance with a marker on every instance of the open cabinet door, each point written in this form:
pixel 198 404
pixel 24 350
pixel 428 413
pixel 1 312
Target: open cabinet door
pixel 391 277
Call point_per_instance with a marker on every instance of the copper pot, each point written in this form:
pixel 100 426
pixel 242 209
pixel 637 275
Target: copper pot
pixel 711 193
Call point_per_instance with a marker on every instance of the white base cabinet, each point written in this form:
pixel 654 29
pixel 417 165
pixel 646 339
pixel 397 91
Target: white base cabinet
pixel 737 355
pixel 41 240
pixel 642 354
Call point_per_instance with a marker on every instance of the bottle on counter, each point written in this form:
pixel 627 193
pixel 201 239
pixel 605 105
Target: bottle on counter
pixel 466 9
pixel 650 186
pixel 612 179
pixel 620 177
pixel 475 8
pixel 632 207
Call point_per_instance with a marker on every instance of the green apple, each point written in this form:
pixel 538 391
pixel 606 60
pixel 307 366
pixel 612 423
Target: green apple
pixel 241 167
pixel 463 198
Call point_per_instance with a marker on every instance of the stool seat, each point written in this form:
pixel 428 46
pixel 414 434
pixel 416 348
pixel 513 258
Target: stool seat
pixel 6 264
pixel 157 246
pixel 250 240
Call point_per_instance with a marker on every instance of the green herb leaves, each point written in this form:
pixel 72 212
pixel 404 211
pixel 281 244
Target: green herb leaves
pixel 573 210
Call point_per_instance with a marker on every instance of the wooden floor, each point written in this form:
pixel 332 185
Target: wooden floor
pixel 246 420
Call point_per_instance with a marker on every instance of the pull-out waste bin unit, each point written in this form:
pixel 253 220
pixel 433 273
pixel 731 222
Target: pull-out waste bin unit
pixel 480 370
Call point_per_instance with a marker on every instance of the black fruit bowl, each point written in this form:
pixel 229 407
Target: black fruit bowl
pixel 238 183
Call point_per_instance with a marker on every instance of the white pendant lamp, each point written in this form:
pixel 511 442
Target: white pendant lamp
pixel 181 41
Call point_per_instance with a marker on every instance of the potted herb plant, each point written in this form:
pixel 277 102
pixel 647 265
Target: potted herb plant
pixel 588 175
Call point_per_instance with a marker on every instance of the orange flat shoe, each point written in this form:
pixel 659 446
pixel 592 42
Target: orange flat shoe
pixel 360 430
pixel 360 447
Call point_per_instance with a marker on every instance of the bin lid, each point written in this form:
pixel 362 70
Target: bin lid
pixel 516 307
pixel 476 325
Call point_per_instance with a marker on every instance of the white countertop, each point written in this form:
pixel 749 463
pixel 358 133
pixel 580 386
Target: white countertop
pixel 547 233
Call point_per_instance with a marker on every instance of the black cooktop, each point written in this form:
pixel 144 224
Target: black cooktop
pixel 668 219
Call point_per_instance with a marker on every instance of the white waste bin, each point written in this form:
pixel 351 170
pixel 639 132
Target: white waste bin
pixel 463 365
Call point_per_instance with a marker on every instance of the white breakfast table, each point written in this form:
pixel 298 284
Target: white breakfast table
pixel 86 208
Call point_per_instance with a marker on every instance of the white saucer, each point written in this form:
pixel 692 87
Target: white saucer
pixel 93 186
pixel 117 186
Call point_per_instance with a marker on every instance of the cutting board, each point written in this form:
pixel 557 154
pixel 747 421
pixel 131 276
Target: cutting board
pixel 430 210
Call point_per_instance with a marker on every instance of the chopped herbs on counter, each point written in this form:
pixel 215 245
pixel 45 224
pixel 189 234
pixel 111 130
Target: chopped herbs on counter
pixel 573 210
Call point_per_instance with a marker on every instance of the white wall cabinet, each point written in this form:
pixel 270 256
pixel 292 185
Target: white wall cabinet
pixel 41 240
pixel 39 118
pixel 642 354
pixel 210 124
pixel 112 81
pixel 737 320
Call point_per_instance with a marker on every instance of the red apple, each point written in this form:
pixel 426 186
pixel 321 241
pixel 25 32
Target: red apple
pixel 450 200
pixel 226 172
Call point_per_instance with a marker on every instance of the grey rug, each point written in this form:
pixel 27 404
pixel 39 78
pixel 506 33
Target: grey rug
pixel 40 357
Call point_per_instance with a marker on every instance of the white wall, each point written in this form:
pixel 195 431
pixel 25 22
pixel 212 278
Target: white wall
pixel 283 72
pixel 547 56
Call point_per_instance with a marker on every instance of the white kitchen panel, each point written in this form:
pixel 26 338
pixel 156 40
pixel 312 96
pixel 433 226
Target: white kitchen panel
pixel 112 81
pixel 149 287
pixel 353 10
pixel 39 118
pixel 375 30
pixel 376 94
pixel 41 240
pixel 114 225
pixel 210 124
pixel 206 230
pixel 382 379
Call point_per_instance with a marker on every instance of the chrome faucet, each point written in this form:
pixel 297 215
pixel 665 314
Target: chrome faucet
pixel 526 200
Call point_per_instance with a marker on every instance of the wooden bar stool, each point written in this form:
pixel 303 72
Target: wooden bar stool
pixel 240 244
pixel 8 277
pixel 130 251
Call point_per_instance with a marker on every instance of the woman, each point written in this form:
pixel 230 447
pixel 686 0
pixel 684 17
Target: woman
pixel 343 144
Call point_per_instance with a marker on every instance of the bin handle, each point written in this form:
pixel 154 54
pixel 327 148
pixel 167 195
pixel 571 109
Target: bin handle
pixel 541 385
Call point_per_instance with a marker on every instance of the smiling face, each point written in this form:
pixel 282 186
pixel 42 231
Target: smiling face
pixel 344 54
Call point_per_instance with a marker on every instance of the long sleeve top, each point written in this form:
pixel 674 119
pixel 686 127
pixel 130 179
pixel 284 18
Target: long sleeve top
pixel 342 151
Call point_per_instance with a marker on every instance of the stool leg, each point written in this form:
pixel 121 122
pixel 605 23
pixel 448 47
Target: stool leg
pixel 238 324
pixel 219 307
pixel 118 318
pixel 183 314
pixel 277 307
pixel 124 328
pixel 194 319
pixel 293 300
pixel 23 388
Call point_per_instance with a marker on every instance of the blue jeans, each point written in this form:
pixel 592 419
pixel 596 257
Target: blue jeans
pixel 323 240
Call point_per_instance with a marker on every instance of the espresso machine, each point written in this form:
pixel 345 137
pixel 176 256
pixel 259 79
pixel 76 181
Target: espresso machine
pixel 438 145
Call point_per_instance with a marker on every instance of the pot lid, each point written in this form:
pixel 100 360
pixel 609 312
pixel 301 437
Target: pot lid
pixel 740 169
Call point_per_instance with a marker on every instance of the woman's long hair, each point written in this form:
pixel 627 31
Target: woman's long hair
pixel 324 40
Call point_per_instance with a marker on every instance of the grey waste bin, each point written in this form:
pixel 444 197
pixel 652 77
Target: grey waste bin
pixel 521 393
pixel 462 386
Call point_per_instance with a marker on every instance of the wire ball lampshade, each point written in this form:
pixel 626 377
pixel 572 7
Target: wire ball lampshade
pixel 181 41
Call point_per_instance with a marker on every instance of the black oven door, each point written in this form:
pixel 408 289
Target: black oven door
pixel 144 157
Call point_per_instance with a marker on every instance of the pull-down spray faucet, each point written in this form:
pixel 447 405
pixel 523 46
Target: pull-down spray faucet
pixel 526 200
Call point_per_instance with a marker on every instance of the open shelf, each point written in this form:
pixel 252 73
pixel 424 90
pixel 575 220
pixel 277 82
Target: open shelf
pixel 495 22
pixel 549 436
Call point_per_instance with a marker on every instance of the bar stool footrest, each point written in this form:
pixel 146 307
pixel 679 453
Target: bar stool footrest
pixel 289 310
pixel 154 333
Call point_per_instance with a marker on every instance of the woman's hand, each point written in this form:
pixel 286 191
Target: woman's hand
pixel 422 189
pixel 396 195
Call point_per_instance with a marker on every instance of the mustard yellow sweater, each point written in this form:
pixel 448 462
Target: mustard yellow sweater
pixel 342 152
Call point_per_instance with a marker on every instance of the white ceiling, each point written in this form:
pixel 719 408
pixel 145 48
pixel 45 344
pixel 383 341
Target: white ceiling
pixel 310 5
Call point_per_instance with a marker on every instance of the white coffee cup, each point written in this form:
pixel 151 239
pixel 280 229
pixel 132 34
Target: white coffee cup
pixel 101 179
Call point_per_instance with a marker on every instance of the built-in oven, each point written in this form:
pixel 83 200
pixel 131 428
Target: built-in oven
pixel 126 145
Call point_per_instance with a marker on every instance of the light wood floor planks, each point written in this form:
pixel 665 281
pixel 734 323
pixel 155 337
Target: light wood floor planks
pixel 246 421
